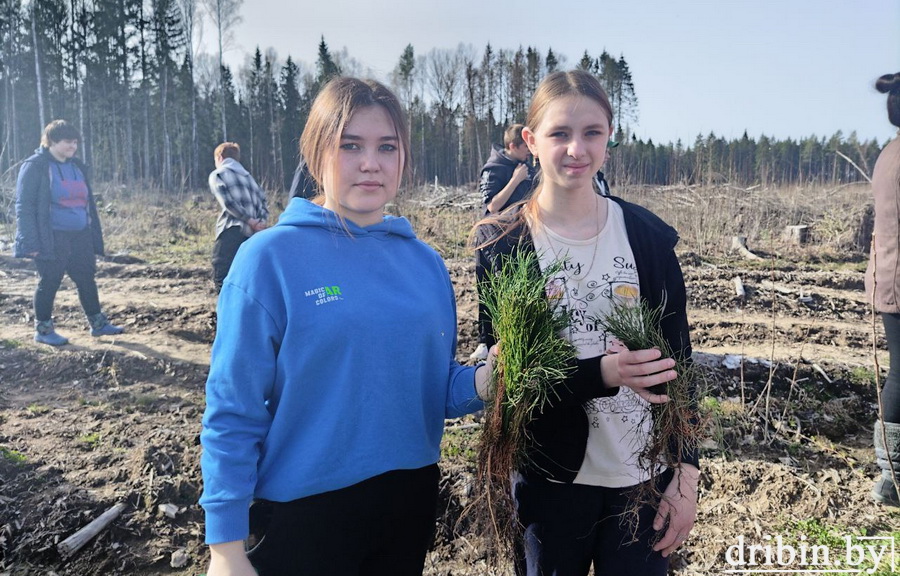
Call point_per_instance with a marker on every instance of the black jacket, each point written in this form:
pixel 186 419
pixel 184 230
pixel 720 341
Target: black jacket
pixel 496 174
pixel 34 232
pixel 302 185
pixel 559 434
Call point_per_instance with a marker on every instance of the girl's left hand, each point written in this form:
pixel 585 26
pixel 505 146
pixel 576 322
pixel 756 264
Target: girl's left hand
pixel 484 374
pixel 678 508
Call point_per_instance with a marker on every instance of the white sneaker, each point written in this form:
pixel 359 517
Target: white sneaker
pixel 480 353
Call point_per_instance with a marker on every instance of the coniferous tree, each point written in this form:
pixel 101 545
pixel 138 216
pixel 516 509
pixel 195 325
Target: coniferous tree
pixel 551 64
pixel 326 67
pixel 293 119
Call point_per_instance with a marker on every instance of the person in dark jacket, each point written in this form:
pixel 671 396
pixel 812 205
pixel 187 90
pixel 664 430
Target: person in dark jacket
pixel 506 178
pixel 883 292
pixel 57 225
pixel 600 182
pixel 302 185
pixel 582 452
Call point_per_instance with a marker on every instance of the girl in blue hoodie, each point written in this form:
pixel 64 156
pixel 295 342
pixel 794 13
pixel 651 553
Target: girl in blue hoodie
pixel 333 367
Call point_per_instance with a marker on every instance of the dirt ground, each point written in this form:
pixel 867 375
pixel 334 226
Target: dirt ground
pixel 116 419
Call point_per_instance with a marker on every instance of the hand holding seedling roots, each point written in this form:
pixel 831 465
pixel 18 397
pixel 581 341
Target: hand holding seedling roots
pixel 532 360
pixel 676 426
pixel 639 370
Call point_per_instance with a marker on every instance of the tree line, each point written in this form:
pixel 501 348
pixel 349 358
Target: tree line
pixel 151 107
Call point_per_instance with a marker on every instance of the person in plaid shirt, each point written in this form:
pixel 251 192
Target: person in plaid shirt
pixel 244 207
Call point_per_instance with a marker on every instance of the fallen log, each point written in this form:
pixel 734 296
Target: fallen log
pixel 76 541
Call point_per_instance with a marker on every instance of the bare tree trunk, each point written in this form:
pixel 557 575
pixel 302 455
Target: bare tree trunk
pixel 145 168
pixel 129 139
pixel 221 70
pixel 273 129
pixel 10 147
pixel 37 64
pixel 86 129
pixel 195 144
pixel 167 143
pixel 188 12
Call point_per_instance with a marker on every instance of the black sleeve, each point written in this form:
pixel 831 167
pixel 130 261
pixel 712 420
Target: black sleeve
pixel 493 179
pixel 303 185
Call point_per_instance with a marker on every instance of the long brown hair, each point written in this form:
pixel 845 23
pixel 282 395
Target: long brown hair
pixel 332 109
pixel 553 87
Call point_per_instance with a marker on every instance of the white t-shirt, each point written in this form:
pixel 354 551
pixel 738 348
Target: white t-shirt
pixel 596 271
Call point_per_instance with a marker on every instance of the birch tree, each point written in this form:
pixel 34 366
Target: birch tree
pixel 224 16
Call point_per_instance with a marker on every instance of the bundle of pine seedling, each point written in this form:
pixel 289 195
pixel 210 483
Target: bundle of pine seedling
pixel 676 426
pixel 533 359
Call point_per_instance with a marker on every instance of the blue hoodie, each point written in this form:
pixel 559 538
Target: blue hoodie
pixel 333 363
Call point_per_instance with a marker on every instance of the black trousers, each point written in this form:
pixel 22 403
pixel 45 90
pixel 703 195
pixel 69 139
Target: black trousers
pixel 75 257
pixel 224 251
pixel 890 394
pixel 380 526
pixel 568 527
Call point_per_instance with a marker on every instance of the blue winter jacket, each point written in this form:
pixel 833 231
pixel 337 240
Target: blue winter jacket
pixel 334 362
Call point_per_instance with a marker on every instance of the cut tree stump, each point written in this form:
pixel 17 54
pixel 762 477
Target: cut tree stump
pixel 739 244
pixel 798 235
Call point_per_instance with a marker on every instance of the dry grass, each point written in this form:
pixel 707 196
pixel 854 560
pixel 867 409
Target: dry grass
pixel 708 217
pixel 161 226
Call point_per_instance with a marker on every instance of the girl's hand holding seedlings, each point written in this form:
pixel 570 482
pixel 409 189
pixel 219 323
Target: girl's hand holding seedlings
pixel 484 374
pixel 678 509
pixel 638 370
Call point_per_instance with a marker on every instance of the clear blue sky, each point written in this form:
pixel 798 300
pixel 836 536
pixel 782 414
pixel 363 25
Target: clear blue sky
pixel 784 68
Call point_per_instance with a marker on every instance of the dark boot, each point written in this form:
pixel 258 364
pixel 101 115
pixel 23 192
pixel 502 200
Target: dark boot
pixel 887 452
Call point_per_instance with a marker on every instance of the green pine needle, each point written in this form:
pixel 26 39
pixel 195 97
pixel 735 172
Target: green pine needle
pixel 533 359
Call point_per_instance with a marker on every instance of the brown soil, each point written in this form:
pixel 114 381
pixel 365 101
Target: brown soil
pixel 108 420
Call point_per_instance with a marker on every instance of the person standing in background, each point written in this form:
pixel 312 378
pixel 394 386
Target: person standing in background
pixel 58 226
pixel 600 182
pixel 244 208
pixel 883 292
pixel 506 179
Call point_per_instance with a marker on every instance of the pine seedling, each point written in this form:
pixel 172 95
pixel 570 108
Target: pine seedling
pixel 533 359
pixel 676 427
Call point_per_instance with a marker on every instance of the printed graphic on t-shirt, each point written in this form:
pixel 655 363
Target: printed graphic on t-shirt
pixel 600 273
pixel 74 194
pixel 325 294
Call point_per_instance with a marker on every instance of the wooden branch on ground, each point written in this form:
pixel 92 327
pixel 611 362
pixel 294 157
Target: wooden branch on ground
pixel 769 285
pixel 74 543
